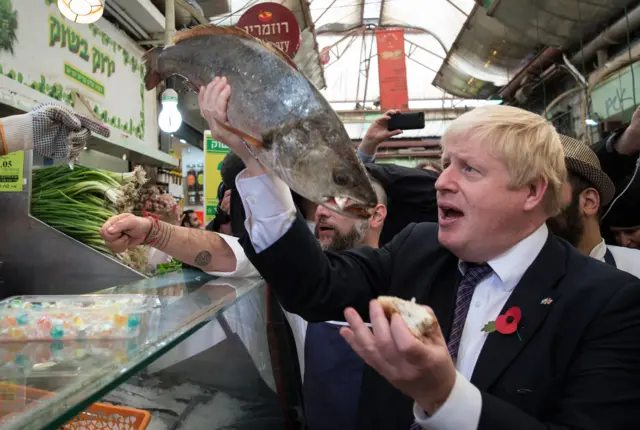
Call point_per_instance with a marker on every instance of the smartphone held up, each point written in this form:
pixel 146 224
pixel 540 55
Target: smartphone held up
pixel 406 121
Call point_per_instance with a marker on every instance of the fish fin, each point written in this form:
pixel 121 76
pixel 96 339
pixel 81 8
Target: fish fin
pixel 152 78
pixel 207 29
pixel 255 143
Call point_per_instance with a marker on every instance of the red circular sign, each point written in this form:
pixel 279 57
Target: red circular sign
pixel 273 23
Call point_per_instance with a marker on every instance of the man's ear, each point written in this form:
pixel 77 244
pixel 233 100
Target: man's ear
pixel 590 202
pixel 379 214
pixel 535 196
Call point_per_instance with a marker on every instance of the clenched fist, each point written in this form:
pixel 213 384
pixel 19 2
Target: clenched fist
pixel 125 231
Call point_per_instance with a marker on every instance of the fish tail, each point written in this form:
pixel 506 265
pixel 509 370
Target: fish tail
pixel 152 78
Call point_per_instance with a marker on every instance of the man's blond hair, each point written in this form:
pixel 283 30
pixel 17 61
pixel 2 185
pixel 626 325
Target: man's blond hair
pixel 527 143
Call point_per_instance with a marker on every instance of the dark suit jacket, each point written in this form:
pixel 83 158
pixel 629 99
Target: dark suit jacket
pixel 577 367
pixel 617 166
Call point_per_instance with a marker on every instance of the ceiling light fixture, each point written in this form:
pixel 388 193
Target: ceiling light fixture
pixel 82 11
pixel 170 118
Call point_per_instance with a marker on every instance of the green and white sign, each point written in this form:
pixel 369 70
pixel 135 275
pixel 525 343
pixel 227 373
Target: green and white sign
pixel 94 65
pixel 214 153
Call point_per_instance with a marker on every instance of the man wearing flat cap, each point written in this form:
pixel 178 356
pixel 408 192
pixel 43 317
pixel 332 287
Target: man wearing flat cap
pixel 590 190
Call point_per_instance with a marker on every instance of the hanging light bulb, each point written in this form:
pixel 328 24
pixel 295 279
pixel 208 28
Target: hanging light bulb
pixel 170 118
pixel 82 11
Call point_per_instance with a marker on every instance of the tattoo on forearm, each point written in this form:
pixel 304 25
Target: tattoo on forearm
pixel 203 259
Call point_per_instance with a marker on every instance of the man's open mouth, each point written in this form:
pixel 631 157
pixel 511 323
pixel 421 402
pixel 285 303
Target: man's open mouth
pixel 448 214
pixel 322 228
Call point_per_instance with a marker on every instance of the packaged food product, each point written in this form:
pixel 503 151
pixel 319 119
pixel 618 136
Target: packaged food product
pixel 73 317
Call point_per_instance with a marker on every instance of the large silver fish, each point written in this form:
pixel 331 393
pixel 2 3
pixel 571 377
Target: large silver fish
pixel 281 115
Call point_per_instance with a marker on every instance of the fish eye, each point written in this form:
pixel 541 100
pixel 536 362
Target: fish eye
pixel 340 178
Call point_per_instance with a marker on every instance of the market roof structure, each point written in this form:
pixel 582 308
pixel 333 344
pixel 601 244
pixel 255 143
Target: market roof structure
pixel 346 29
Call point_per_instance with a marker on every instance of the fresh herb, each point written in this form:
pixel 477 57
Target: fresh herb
pixel 172 266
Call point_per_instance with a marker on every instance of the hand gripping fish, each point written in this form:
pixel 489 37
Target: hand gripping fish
pixel 284 119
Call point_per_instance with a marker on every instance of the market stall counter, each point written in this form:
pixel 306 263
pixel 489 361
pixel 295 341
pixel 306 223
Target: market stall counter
pixel 198 358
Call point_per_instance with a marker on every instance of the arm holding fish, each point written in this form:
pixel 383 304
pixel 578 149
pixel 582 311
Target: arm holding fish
pixel 313 284
pixel 376 134
pixel 214 253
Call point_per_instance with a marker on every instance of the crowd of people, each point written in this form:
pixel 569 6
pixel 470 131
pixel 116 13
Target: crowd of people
pixel 515 216
pixel 515 220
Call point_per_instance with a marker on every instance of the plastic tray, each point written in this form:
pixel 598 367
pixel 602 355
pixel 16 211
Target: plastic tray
pixel 15 399
pixel 90 317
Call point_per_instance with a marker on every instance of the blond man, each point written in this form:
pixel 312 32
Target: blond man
pixel 566 358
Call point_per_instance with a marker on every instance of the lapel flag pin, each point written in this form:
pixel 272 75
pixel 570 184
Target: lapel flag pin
pixel 546 301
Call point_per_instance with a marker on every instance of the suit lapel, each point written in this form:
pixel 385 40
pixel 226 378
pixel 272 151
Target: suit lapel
pixel 537 284
pixel 441 296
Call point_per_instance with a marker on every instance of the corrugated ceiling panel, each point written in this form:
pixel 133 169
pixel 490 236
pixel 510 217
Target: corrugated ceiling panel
pixel 353 55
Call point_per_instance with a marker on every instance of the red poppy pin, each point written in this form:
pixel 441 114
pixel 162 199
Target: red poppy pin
pixel 506 323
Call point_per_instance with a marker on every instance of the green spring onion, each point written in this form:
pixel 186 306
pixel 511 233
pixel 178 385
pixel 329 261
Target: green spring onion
pixel 78 202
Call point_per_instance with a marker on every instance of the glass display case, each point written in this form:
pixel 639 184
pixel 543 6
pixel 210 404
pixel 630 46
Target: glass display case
pixel 202 361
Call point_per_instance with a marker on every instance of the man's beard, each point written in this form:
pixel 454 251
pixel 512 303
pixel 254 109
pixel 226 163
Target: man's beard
pixel 568 225
pixel 345 241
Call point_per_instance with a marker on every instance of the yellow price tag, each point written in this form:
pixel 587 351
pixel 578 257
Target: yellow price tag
pixel 12 172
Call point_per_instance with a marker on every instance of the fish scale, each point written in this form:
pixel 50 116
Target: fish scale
pixel 289 125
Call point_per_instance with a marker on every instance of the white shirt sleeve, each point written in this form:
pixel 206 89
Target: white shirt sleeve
pixel 268 207
pixel 244 268
pixel 461 411
pixel 365 158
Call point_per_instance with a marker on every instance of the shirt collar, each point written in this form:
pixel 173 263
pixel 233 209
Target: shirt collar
pixel 312 226
pixel 599 251
pixel 511 265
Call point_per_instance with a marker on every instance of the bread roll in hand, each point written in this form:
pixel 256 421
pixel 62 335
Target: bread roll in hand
pixel 416 317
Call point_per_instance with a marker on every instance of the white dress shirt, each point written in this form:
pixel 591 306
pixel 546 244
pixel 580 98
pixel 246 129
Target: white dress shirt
pixel 270 212
pixel 627 259
pixel 244 268
pixel 462 408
